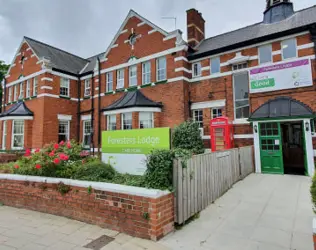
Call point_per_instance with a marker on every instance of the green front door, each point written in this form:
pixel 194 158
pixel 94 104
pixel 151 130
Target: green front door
pixel 271 148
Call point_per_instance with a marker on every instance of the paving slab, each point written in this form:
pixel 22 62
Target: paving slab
pixel 262 212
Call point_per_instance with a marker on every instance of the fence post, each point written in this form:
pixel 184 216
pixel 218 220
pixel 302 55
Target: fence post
pixel 239 162
pixel 175 189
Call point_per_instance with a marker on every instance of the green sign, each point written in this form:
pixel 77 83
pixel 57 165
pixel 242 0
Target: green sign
pixel 136 141
pixel 265 83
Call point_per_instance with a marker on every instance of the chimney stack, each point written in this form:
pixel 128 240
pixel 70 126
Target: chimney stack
pixel 195 27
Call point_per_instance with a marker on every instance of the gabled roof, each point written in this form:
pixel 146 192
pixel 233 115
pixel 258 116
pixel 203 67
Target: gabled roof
pixel 58 58
pixel 133 13
pixel 282 106
pixel 92 63
pixel 254 33
pixel 18 109
pixel 133 99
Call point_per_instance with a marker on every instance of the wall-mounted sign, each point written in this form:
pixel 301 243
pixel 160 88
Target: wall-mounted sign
pixel 126 150
pixel 289 75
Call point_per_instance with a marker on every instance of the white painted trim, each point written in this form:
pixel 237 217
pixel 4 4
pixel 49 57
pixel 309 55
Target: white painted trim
pixel 7 76
pixel 171 36
pixel 206 137
pixel 28 49
pixel 124 31
pixel 305 46
pixel 5 118
pixel 33 55
pixel 141 24
pixel 64 117
pixel 97 88
pixel 244 136
pixel 47 95
pixel 102 186
pixel 296 52
pixel 210 104
pixel 207 68
pixel 152 31
pixel 256 142
pixel 314 153
pixel 25 78
pixel 84 68
pixel 181 58
pixel 252 46
pixel 114 46
pixel 85 117
pixel 46 87
pixel 309 148
pixel 277 52
pixel 130 110
pixel 183 69
pixel 75 99
pixel 241 121
pixel 13 65
pixel 62 75
pixel 195 79
pixel 96 80
pixel 47 79
pixel 180 78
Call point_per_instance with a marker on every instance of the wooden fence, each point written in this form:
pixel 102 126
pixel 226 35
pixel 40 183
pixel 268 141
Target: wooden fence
pixel 206 177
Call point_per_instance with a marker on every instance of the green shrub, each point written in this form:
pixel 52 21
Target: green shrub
pixel 313 192
pixel 187 136
pixel 94 171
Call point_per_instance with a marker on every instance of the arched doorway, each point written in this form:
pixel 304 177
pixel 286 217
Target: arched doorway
pixel 283 137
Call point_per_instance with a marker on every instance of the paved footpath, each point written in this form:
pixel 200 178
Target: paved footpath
pixel 263 212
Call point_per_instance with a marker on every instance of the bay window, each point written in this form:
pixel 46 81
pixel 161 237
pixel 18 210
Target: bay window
pixel 120 79
pixel 63 131
pixel 111 122
pixel 127 119
pixel 86 134
pixel 146 120
pixel 146 73
pixel 64 87
pixel 133 76
pixel 161 69
pixel 17 134
pixel 109 82
pixel 241 95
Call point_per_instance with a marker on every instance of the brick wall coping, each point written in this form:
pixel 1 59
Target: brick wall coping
pixel 103 186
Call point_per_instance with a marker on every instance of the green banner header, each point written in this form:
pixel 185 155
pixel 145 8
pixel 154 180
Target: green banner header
pixel 136 141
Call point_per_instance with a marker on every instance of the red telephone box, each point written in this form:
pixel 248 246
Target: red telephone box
pixel 221 134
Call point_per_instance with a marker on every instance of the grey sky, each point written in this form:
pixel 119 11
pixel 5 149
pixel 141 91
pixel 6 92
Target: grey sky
pixel 86 27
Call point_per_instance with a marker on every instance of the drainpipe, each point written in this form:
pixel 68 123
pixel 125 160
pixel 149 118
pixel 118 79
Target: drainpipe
pixel 99 107
pixel 4 95
pixel 313 35
pixel 78 109
pixel 92 113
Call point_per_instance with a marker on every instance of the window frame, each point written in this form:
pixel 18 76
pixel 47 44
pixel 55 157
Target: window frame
pixel 62 81
pixel 151 119
pixel 194 117
pixel 108 122
pixel 13 135
pixel 259 53
pixel 35 84
pixel 28 89
pixel 15 96
pixel 86 134
pixel 211 68
pixel 10 95
pixel 68 129
pixel 21 91
pixel 199 69
pixel 109 82
pixel 158 70
pixel 147 73
pixel 212 112
pixel 4 134
pixel 282 50
pixel 120 79
pixel 132 77
pixel 122 121
pixel 234 98
pixel 87 87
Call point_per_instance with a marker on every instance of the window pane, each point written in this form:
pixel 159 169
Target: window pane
pixel 196 69
pixel 35 86
pixel 18 134
pixel 64 87
pixel 133 76
pixel 216 113
pixel 86 133
pixel 146 120
pixel 109 82
pixel 111 122
pixel 215 65
pixel 87 87
pixel 161 69
pixel 241 96
pixel 289 48
pixel 265 54
pixel 198 117
pixel 120 79
pixel 146 73
pixel 127 121
pixel 63 131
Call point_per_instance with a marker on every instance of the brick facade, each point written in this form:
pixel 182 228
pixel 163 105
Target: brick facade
pixel 177 93
pixel 139 216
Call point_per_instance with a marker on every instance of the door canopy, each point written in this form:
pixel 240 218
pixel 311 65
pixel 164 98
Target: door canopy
pixel 282 107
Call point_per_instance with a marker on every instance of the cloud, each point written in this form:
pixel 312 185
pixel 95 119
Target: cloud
pixel 86 27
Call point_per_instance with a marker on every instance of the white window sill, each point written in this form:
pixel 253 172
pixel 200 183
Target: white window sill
pixel 241 121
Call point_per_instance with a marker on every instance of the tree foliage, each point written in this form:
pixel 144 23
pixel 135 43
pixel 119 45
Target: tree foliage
pixel 3 69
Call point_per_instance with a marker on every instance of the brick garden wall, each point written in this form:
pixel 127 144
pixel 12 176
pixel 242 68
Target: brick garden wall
pixel 143 216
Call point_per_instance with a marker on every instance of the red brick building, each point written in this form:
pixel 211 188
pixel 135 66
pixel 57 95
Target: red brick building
pixel 148 77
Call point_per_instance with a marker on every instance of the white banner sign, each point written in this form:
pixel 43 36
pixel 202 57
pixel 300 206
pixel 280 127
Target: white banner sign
pixel 289 75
